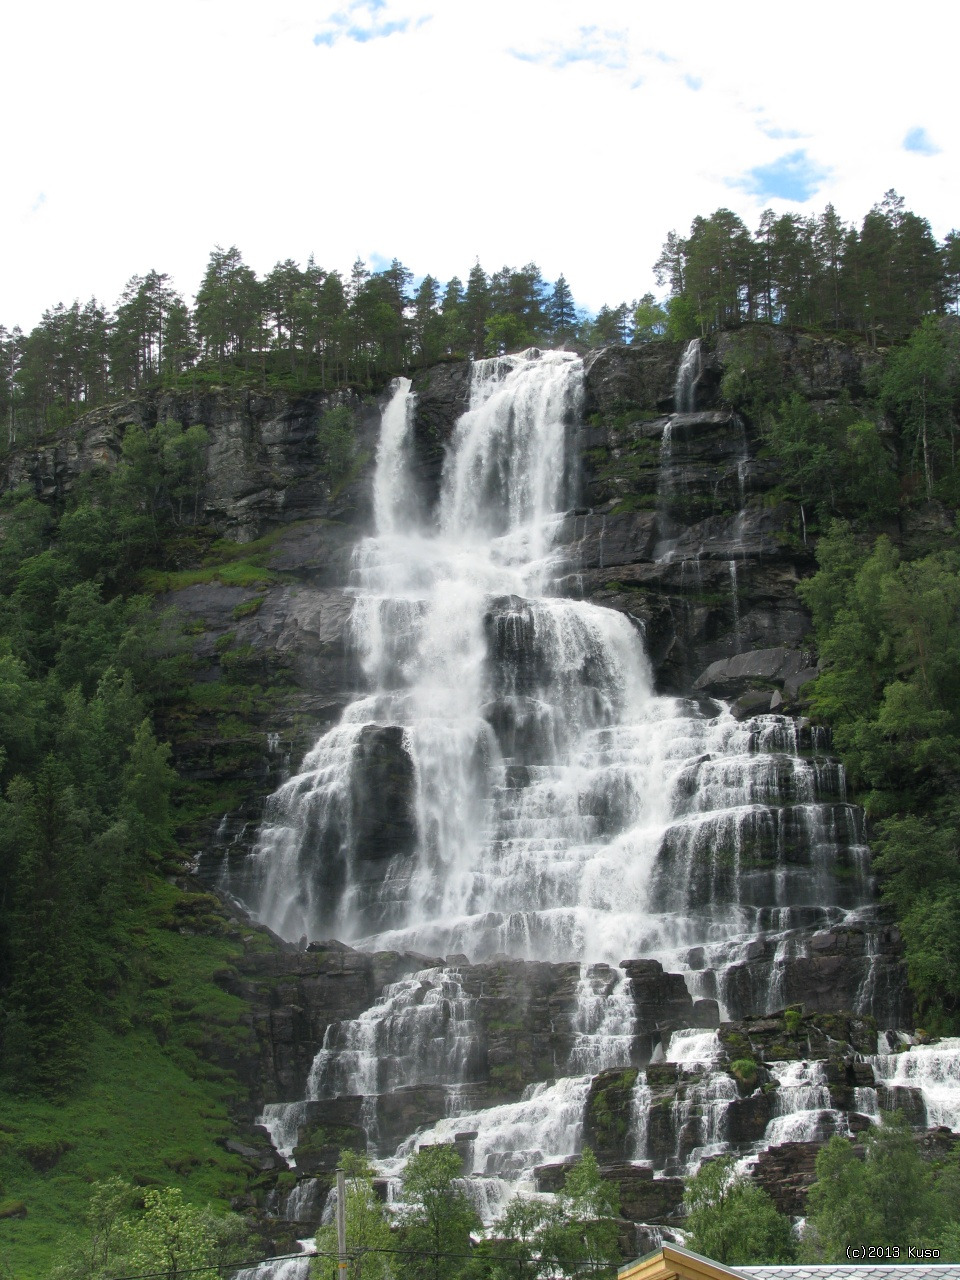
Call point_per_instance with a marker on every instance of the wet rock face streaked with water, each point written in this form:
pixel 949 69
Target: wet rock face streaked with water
pixel 596 878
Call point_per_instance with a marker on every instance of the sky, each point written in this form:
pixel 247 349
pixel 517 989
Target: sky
pixel 575 135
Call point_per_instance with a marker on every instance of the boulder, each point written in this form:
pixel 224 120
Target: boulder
pixel 733 676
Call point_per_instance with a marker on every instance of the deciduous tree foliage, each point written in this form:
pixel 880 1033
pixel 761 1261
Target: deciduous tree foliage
pixel 733 1221
pixel 889 1196
pixel 371 1247
pixel 888 631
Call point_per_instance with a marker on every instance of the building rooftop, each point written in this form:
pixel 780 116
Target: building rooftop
pixel 673 1263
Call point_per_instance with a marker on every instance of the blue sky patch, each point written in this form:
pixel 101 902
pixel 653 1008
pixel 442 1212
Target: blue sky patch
pixel 774 131
pixel 600 47
pixel 920 142
pixel 790 177
pixel 361 22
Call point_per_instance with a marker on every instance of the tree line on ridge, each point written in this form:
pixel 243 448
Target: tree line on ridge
pixel 302 327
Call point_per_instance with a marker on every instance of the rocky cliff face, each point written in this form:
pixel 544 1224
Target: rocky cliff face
pixel 263 463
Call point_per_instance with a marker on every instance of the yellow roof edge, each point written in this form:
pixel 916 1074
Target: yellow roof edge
pixel 670 1262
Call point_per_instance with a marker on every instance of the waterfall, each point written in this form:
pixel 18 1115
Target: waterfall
pixel 604 1021
pixel 508 781
pixel 933 1070
pixel 502 1145
pixel 277 1269
pixel 688 374
pixel 804 1109
pixel 704 1096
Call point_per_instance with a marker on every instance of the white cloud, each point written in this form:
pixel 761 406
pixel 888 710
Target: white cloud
pixel 417 131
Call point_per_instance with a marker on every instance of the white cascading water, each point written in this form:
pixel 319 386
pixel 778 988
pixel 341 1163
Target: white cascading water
pixel 558 808
pixel 804 1109
pixel 688 374
pixel 541 799
pixel 933 1070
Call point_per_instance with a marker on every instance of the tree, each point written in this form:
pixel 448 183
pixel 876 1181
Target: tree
pixel 229 306
pixel 475 310
pixel 580 1234
pixel 951 270
pixel 562 312
pixel 889 1194
pixel 92 1254
pixel 649 320
pixel 370 1245
pixel 436 1226
pixel 174 1239
pixel 47 1004
pixel 451 311
pixel 916 392
pixel 732 1221
pixel 518 309
pixel 428 323
pixel 283 298
pixel 612 325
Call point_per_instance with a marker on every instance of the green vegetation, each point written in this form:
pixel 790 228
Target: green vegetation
pixel 110 1010
pixel 370 1244
pixel 155 1232
pixel 431 1237
pixel 887 630
pixel 891 1196
pixel 744 1071
pixel 436 1227
pixel 112 1019
pixel 307 328
pixel 573 1235
pixel 732 1221
pixel 879 281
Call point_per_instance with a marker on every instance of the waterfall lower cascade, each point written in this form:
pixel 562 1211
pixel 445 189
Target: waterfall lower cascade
pixel 510 790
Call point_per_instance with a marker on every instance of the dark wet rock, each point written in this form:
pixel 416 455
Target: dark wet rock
pixel 644 1198
pixel 442 394
pixel 263 466
pixel 403 1111
pixel 787 1173
pixel 793 1035
pixel 732 676
pixel 631 378
pixel 383 819
pixel 746 1119
pixel 608 1117
pixel 661 999
pixel 328 1129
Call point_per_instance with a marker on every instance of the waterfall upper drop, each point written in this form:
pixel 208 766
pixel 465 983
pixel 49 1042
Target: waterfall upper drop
pixel 509 781
pixel 688 375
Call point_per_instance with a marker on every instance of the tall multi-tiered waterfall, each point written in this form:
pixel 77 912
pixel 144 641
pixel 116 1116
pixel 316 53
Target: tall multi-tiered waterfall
pixel 509 783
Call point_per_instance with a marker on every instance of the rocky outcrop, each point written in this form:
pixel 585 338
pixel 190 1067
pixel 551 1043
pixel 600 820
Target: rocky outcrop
pixel 786 1173
pixel 779 668
pixel 263 463
pixel 624 379
pixel 441 396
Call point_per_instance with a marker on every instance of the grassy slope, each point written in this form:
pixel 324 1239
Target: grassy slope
pixel 153 1107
